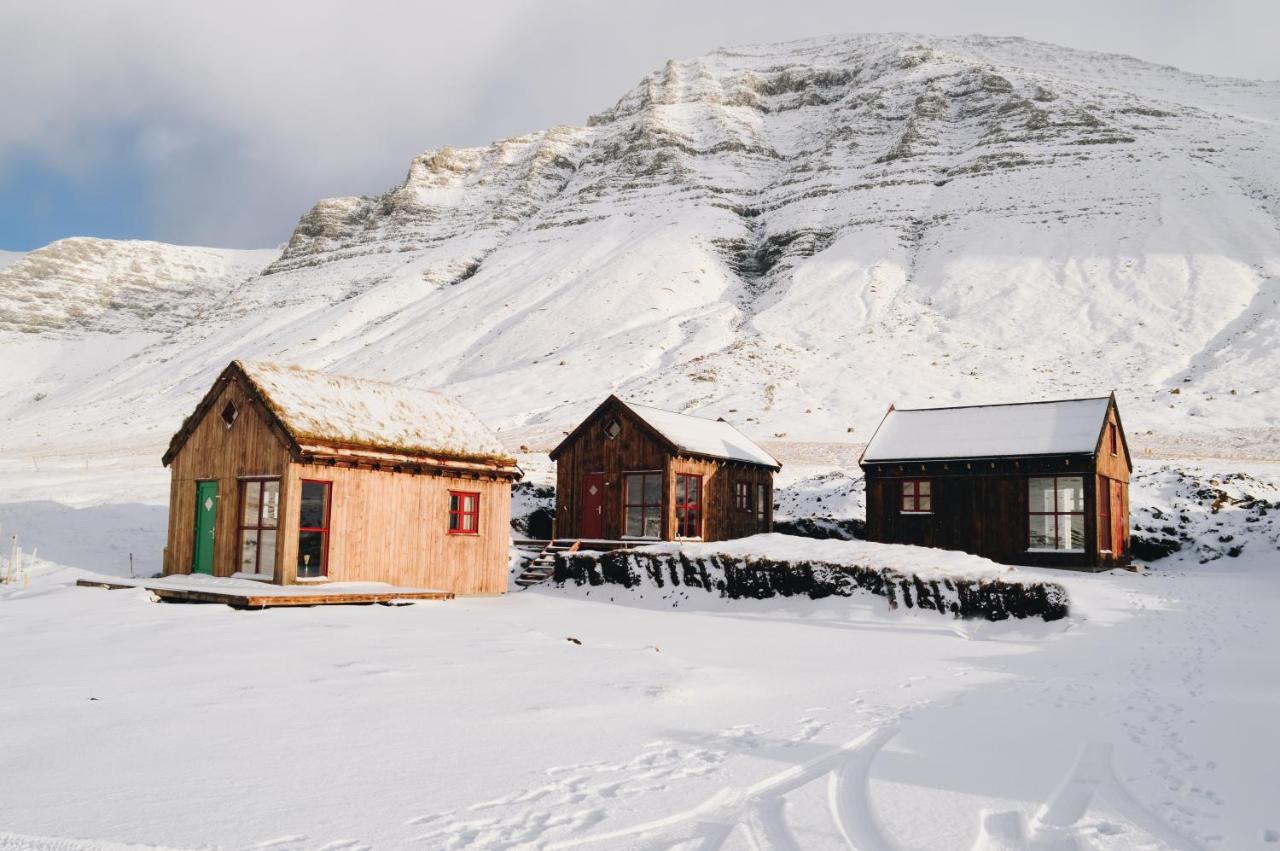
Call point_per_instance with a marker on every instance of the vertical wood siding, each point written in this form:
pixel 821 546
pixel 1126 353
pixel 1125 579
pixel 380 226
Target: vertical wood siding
pixel 635 450
pixel 214 452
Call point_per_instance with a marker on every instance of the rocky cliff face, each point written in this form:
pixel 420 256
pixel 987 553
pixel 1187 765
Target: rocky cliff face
pixel 795 235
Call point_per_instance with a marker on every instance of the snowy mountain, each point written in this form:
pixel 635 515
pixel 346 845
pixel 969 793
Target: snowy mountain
pixel 790 235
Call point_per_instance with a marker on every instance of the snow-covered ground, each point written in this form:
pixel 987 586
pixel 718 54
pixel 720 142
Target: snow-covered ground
pixel 788 724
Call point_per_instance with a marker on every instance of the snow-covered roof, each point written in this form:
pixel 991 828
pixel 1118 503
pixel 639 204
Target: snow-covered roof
pixel 986 431
pixel 701 436
pixel 316 407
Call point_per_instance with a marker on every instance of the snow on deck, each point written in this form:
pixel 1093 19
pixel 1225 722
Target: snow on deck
pixel 984 431
pixel 238 587
pixel 327 408
pixel 701 436
pixel 925 562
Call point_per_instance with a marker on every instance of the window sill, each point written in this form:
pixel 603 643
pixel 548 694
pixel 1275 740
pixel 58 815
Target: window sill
pixel 915 512
pixel 256 577
pixel 1053 550
pixel 640 538
pixel 312 580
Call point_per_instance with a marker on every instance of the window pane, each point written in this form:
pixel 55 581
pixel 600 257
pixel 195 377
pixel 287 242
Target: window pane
pixel 469 503
pixel 653 525
pixel 271 504
pixel 908 488
pixel 695 490
pixel 312 511
pixel 1040 493
pixel 925 503
pixel 310 553
pixel 252 499
pixel 453 520
pixel 1042 533
pixel 924 488
pixel 453 502
pixel 249 551
pixel 1070 532
pixel 908 503
pixel 468 522
pixel 653 489
pixel 1071 493
pixel 634 489
pixel 267 559
pixel 635 521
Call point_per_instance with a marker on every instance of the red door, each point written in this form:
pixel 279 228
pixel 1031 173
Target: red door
pixel 592 525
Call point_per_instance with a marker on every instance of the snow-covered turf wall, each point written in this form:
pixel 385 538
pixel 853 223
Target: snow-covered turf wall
pixel 783 566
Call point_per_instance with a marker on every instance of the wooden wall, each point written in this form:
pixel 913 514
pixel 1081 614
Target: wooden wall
pixel 636 450
pixel 979 507
pixel 393 527
pixel 721 520
pixel 214 452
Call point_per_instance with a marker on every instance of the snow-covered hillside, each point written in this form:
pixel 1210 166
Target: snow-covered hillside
pixel 789 235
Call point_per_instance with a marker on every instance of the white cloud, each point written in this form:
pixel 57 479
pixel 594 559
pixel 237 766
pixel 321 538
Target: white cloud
pixel 244 113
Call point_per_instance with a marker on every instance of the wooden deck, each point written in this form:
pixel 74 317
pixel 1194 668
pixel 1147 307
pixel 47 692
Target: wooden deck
pixel 271 596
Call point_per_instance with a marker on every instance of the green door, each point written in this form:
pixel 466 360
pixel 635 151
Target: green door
pixel 206 514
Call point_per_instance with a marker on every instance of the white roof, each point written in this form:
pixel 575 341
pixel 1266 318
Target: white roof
pixel 701 436
pixel 322 408
pixel 985 431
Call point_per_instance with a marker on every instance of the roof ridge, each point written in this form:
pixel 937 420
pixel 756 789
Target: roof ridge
pixel 1009 404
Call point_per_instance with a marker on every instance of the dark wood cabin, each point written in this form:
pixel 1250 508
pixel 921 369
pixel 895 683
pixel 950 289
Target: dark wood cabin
pixel 631 472
pixel 288 475
pixel 1037 483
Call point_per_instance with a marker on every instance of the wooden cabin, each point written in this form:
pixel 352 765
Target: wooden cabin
pixel 1037 483
pixel 631 472
pixel 287 475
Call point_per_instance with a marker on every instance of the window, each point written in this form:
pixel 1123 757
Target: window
pixel 688 506
pixel 313 529
pixel 229 414
pixel 1056 506
pixel 917 496
pixel 742 496
pixel 1113 436
pixel 612 429
pixel 643 502
pixel 1104 514
pixel 762 505
pixel 259 517
pixel 464 513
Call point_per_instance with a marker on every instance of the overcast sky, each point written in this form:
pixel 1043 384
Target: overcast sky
pixel 221 123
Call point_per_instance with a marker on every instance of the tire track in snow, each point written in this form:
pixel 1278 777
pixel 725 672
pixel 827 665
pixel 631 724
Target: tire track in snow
pixel 760 807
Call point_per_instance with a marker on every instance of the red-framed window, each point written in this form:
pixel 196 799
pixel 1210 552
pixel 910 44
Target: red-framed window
pixel 259 521
pixel 762 505
pixel 1056 508
pixel 1104 514
pixel 1113 437
pixel 642 504
pixel 917 496
pixel 464 513
pixel 688 506
pixel 742 497
pixel 313 528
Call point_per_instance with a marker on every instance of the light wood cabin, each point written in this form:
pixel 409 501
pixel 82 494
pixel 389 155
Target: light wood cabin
pixel 288 475
pixel 631 472
pixel 1040 483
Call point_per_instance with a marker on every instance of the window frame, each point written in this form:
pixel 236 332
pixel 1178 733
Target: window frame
pixel 695 508
pixel 742 496
pixel 323 530
pixel 460 513
pixel 762 504
pixel 1104 515
pixel 1113 435
pixel 915 496
pixel 242 486
pixel 646 508
pixel 1055 514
